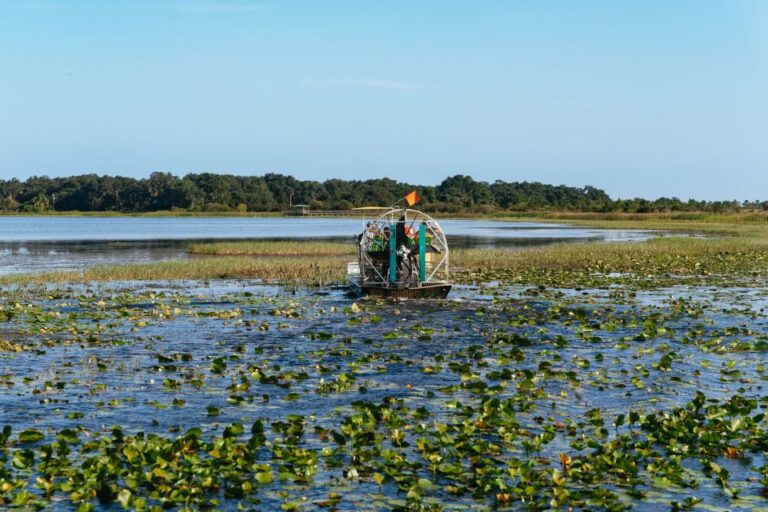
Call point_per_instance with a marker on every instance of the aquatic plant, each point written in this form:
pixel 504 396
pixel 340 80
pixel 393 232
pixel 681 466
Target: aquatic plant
pixel 236 395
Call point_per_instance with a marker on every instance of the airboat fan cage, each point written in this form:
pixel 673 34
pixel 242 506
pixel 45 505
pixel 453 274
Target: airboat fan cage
pixel 403 248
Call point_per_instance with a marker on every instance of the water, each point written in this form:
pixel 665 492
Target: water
pixel 111 371
pixel 32 244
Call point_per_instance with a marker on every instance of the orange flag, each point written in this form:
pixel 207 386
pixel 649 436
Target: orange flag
pixel 412 198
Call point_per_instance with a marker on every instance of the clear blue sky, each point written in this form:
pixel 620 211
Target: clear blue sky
pixel 639 97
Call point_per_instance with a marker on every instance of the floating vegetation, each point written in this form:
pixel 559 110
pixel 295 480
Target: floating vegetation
pixel 236 395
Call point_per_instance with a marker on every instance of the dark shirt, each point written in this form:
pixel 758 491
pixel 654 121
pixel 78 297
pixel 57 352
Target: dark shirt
pixel 400 237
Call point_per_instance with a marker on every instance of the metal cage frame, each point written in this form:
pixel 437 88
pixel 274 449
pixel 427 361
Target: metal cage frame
pixel 377 242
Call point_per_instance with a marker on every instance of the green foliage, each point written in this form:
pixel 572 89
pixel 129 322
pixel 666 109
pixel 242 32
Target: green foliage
pixel 208 192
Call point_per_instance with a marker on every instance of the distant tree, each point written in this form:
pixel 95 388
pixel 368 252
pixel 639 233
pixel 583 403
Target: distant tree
pixel 40 204
pixel 257 195
pixel 9 204
pixel 274 192
pixel 463 191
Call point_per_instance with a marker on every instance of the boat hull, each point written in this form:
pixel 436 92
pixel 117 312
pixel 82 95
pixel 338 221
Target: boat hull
pixel 427 291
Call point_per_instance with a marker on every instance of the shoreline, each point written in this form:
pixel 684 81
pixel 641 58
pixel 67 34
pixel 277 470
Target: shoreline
pixel 661 261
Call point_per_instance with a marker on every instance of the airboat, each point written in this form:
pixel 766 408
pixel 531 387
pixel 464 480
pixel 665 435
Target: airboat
pixel 403 254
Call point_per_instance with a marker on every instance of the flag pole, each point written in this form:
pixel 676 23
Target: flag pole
pixel 404 198
pixel 397 202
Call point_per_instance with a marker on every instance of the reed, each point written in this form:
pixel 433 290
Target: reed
pixel 748 223
pixel 304 270
pixel 743 251
pixel 623 255
pixel 663 261
pixel 274 248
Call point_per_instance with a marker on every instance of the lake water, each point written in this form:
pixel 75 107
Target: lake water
pixel 165 358
pixel 32 244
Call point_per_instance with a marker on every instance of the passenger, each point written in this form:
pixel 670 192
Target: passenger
pixel 401 237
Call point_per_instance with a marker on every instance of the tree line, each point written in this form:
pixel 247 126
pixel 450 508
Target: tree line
pixel 208 192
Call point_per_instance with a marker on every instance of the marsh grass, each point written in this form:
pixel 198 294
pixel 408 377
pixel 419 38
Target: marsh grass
pixel 567 264
pixel 305 270
pixel 599 264
pixel 741 250
pixel 273 248
pixel 619 256
pixel 748 223
pixel 747 216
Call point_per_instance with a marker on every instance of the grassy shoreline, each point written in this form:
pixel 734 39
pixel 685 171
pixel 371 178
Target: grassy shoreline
pixel 664 261
pixel 657 262
pixel 287 248
pixel 739 249
pixel 753 224
pixel 303 270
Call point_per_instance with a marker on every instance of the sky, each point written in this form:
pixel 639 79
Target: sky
pixel 639 98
